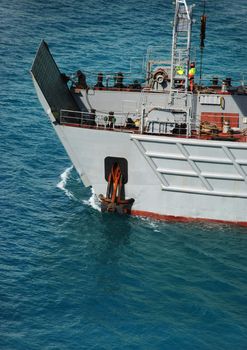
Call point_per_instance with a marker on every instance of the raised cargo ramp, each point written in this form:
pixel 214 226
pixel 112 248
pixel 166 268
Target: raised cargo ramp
pixel 50 82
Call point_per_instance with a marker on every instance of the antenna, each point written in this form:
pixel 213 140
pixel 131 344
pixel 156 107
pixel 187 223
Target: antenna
pixel 202 35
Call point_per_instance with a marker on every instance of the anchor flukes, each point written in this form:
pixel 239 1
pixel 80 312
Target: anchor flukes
pixel 115 201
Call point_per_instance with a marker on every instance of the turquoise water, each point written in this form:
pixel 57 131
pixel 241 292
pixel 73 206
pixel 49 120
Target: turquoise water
pixel 70 277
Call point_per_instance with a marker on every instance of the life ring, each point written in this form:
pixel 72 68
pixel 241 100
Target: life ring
pixel 222 102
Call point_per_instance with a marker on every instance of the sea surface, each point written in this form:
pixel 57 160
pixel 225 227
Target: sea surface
pixel 71 277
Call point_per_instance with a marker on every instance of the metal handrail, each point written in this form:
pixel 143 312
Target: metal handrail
pixel 199 126
pixel 119 121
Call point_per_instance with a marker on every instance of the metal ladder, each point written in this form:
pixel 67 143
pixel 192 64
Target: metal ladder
pixel 181 41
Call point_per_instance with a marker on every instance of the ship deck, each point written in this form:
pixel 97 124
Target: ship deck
pixel 104 124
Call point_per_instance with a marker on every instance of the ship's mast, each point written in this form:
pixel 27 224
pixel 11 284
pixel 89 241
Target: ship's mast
pixel 181 40
pixel 202 36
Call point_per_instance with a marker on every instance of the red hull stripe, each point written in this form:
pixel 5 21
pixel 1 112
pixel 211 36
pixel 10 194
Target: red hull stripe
pixel 182 218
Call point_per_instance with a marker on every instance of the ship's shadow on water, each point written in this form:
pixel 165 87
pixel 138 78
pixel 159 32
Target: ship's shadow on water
pixel 141 279
pixel 122 282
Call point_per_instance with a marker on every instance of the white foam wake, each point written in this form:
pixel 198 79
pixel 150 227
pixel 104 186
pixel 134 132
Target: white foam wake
pixel 93 201
pixel 64 178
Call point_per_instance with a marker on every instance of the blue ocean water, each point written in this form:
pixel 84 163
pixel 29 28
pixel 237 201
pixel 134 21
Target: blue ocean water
pixel 70 277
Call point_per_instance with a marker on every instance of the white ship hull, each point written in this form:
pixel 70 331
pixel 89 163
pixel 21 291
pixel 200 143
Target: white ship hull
pixel 169 178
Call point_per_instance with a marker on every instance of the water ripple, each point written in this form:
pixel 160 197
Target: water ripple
pixel 72 277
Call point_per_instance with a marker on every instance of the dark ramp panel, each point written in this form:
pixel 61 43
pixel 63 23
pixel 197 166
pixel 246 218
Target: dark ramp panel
pixel 53 87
